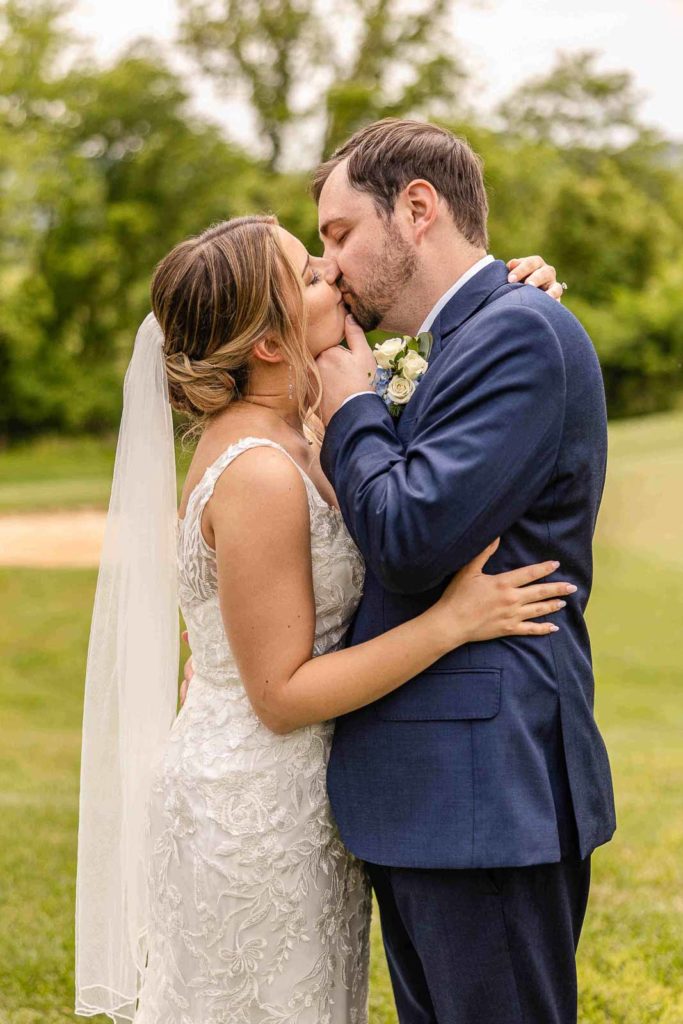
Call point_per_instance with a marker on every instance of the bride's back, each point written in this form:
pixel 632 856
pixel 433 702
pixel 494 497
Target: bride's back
pixel 337 566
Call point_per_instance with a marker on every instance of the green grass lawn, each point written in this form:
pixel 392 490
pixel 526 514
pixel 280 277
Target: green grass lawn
pixel 631 955
pixel 61 473
pixel 56 473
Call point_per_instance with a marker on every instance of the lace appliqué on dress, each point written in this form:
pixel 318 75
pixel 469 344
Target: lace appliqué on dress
pixel 259 915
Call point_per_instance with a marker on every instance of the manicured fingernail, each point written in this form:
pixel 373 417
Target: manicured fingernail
pixel 571 589
pixel 554 629
pixel 562 604
pixel 555 565
pixel 512 278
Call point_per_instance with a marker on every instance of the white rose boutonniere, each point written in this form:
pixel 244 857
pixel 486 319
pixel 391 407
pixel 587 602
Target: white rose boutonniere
pixel 387 352
pixel 412 365
pixel 401 365
pixel 400 390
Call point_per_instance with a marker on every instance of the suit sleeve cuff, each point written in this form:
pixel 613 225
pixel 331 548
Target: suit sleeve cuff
pixel 356 394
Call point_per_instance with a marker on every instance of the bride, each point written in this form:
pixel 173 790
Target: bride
pixel 213 887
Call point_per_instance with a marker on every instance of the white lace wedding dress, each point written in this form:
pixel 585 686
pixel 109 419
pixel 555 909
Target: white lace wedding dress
pixel 258 913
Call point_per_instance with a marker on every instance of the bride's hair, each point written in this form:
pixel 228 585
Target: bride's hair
pixel 215 296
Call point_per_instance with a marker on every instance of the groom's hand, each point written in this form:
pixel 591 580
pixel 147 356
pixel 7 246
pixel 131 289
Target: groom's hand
pixel 343 371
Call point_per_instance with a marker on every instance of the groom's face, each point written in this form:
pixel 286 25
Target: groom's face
pixel 375 260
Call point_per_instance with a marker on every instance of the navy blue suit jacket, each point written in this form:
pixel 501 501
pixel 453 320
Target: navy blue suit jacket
pixel 492 757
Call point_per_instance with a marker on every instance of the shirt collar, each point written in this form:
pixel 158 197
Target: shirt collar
pixel 447 296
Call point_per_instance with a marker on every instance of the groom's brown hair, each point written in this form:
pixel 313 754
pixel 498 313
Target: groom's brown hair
pixel 386 156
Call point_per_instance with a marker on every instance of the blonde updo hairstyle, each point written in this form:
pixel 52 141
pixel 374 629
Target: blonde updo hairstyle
pixel 215 296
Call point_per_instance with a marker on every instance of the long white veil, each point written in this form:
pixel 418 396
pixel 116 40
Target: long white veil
pixel 130 691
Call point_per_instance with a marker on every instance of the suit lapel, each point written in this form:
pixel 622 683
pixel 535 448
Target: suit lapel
pixel 465 303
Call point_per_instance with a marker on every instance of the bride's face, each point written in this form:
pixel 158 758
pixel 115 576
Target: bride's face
pixel 324 307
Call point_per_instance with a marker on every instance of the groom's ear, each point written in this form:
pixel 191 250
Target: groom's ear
pixel 421 204
pixel 268 350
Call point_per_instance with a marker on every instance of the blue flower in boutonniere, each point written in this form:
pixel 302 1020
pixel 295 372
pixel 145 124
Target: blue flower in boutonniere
pixel 401 365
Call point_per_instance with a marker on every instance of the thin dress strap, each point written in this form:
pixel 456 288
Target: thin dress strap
pixel 205 488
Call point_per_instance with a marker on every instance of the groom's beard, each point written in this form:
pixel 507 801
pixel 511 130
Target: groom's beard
pixel 396 266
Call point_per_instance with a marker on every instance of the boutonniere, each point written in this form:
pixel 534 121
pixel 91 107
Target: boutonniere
pixel 401 365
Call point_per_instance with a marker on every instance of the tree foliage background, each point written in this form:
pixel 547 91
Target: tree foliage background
pixel 104 168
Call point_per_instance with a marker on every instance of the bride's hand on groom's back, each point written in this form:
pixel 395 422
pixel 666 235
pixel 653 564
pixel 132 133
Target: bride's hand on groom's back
pixel 535 271
pixel 490 606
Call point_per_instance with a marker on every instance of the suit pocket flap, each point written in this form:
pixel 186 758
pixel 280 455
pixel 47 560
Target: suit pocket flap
pixel 444 695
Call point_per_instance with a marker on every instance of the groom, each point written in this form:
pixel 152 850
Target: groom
pixel 476 792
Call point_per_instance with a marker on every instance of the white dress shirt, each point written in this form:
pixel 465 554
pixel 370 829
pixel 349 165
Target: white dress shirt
pixel 447 296
pixel 436 309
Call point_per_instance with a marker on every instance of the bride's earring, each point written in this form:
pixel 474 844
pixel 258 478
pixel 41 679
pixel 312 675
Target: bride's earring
pixel 290 388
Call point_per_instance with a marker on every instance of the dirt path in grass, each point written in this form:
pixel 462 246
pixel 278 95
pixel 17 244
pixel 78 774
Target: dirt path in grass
pixel 52 540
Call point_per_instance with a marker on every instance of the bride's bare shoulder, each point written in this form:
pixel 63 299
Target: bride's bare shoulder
pixel 263 495
pixel 260 471
pixel 214 441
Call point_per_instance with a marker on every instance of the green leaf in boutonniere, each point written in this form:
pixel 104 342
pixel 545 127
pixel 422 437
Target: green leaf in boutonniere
pixel 424 343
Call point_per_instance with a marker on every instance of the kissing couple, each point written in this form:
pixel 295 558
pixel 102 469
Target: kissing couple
pixel 391 684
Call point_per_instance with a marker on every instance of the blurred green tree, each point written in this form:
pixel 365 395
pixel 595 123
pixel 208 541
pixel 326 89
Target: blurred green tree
pixel 104 168
pixel 324 74
pixel 576 105
pixel 612 220
pixel 104 171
